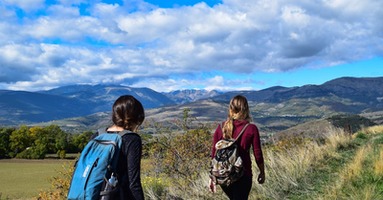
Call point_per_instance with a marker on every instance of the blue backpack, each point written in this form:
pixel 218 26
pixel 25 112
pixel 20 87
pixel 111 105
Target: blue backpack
pixel 95 166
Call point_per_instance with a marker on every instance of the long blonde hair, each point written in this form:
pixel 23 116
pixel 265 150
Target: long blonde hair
pixel 238 110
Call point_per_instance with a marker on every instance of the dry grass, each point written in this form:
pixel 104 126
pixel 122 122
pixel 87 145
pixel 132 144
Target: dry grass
pixel 355 168
pixel 285 170
pixel 378 166
pixel 351 171
pixel 369 192
pixel 336 138
pixel 373 129
pixel 361 177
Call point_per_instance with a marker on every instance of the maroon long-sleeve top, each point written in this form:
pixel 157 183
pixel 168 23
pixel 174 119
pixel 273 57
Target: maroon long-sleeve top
pixel 249 138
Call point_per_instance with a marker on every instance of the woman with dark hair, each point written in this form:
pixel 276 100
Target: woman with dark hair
pixel 238 117
pixel 128 114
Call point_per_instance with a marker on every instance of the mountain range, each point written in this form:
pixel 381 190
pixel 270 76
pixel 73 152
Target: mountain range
pixel 274 108
pixel 278 108
pixel 68 101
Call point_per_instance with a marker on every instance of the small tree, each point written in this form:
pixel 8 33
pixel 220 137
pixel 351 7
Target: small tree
pixel 79 141
pixel 182 155
pixel 20 140
pixel 186 119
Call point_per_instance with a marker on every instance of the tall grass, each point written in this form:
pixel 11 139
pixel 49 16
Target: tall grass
pixel 289 169
pixel 350 173
pixel 286 167
pixel 378 166
pixel 373 129
pixel 285 170
pixel 361 178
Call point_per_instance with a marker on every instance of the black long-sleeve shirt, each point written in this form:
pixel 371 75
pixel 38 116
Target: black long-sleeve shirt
pixel 129 166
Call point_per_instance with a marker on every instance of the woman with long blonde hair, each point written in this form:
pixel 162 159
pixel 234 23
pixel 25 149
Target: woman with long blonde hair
pixel 238 117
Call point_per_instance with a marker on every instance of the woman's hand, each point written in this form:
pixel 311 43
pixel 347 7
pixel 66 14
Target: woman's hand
pixel 261 178
pixel 212 186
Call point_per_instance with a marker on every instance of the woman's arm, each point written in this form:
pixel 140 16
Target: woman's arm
pixel 257 150
pixel 134 153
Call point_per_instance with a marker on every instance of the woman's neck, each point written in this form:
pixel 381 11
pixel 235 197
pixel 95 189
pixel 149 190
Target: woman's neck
pixel 115 128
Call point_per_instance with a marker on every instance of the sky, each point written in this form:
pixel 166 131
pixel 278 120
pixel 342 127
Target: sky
pixel 170 45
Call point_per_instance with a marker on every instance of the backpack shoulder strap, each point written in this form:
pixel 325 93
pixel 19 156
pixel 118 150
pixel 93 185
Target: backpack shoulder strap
pixel 122 133
pixel 243 130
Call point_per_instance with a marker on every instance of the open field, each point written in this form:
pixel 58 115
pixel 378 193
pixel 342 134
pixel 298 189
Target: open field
pixel 23 179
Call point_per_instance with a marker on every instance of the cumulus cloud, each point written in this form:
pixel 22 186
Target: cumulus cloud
pixel 25 5
pixel 136 43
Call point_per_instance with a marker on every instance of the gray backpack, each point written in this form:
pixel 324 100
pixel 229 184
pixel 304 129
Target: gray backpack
pixel 226 166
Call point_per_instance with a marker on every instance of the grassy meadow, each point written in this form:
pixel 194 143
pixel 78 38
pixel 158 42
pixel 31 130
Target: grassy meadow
pixel 27 179
pixel 23 179
pixel 342 167
pixel 337 166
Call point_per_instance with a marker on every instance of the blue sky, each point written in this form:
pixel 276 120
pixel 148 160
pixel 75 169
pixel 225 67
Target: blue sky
pixel 171 45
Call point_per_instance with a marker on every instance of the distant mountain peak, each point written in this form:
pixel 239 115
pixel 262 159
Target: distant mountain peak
pixel 191 95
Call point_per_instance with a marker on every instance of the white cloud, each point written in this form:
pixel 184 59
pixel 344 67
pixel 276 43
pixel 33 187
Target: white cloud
pixel 26 5
pixel 141 45
pixel 295 16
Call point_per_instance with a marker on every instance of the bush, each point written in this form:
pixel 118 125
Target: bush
pixel 61 154
pixel 350 123
pixel 60 184
pixel 32 153
pixel 155 188
pixel 182 156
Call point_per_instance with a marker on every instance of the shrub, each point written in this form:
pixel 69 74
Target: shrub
pixel 32 153
pixel 289 142
pixel 352 122
pixel 361 135
pixel 182 156
pixel 155 188
pixel 60 184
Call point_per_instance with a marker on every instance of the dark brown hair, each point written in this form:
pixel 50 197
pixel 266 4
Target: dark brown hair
pixel 128 112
